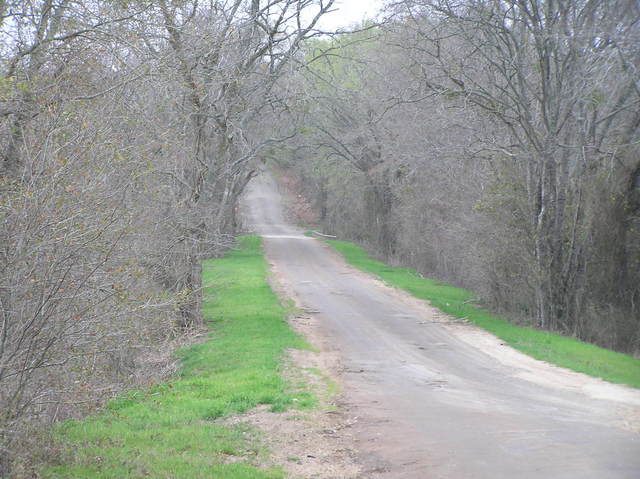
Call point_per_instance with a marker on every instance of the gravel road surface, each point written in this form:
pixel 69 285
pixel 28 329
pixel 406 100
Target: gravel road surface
pixel 436 398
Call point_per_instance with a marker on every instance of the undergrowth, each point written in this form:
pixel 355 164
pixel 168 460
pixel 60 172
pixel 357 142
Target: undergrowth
pixel 553 348
pixel 173 430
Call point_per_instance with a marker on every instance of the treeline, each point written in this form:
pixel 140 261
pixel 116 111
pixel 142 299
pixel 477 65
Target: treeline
pixel 128 130
pixel 491 144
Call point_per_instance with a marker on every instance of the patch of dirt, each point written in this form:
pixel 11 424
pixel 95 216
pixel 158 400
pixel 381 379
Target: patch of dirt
pixel 313 444
pixel 625 400
pixel 298 209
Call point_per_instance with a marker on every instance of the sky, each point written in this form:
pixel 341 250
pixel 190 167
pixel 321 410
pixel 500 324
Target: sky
pixel 349 12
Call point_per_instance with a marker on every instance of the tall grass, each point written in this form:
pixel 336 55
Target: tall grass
pixel 553 348
pixel 173 430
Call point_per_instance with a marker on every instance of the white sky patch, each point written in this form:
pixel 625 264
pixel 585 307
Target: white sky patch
pixel 350 12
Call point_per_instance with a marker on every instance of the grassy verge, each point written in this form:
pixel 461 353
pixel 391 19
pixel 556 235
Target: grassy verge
pixel 172 430
pixel 560 350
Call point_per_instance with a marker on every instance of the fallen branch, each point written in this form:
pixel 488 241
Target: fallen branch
pixel 323 235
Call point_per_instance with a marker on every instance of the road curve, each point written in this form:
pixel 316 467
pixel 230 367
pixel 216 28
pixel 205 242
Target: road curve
pixel 438 400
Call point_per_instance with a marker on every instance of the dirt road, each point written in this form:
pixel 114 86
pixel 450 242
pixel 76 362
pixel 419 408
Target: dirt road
pixel 439 399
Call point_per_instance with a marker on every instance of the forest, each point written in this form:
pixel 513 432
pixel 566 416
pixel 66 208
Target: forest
pixel 491 144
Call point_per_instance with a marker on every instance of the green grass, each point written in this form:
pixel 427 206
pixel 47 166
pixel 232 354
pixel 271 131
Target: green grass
pixel 554 348
pixel 171 430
